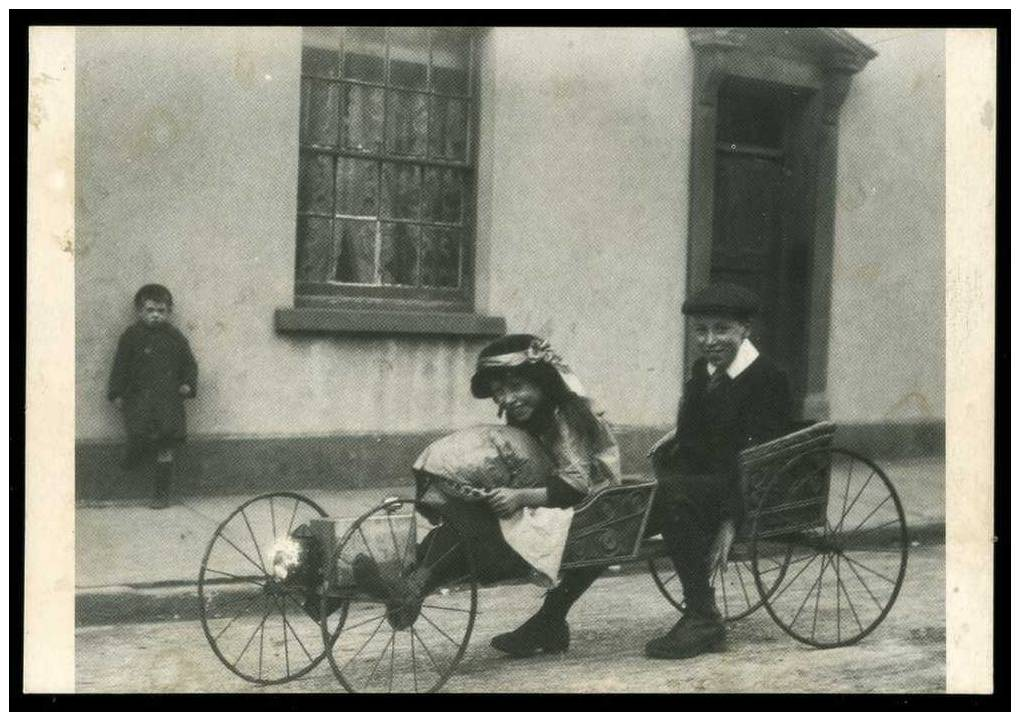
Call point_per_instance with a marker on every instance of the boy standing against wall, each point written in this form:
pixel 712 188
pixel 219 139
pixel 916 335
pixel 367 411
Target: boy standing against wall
pixel 153 372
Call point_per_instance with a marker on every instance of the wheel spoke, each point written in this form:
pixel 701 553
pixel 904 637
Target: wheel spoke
pixel 445 554
pixel 414 664
pixel 379 659
pixel 261 624
pixel 838 634
pixel 254 541
pixel 286 648
pixel 257 580
pixel 863 582
pixel 393 650
pixel 293 632
pixel 743 586
pixel 818 595
pixel 238 549
pixel 262 645
pixel 846 491
pixel 445 608
pixel 396 546
pixel 368 547
pixel 428 652
pixel 839 526
pixel 789 583
pixel 853 608
pixel 293 514
pixel 251 602
pixel 725 604
pixel 441 631
pixel 272 517
pixel 365 644
pixel 364 622
pixel 868 568
pixel 811 590
pixel 871 514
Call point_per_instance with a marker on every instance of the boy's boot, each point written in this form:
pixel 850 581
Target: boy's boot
pixel 700 630
pixel 161 496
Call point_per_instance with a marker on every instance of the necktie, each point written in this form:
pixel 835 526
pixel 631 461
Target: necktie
pixel 717 379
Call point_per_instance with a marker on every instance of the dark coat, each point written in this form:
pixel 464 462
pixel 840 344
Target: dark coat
pixel 149 368
pixel 713 427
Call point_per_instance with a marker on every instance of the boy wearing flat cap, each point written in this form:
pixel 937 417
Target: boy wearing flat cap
pixel 735 398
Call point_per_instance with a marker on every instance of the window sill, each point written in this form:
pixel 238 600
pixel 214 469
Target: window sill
pixel 365 321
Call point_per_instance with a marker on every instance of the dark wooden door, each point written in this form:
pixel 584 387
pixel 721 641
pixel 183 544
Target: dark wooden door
pixel 757 235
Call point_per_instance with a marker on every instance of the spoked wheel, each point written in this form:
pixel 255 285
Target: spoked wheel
pixel 735 592
pixel 405 594
pixel 253 614
pixel 846 571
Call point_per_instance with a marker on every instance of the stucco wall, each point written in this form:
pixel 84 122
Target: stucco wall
pixel 187 175
pixel 584 224
pixel 886 359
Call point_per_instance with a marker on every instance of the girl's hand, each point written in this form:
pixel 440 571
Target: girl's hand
pixel 504 501
pixel 184 390
pixel 118 403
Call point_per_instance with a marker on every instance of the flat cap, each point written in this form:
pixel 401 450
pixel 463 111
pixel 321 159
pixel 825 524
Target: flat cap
pixel 724 299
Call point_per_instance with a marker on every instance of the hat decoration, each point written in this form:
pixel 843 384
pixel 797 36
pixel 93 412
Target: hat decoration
pixel 538 352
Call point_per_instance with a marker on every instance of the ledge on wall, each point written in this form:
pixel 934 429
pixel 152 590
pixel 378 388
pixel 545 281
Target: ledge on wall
pixel 371 321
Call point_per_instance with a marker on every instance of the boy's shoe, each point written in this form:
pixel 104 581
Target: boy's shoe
pixel 693 635
pixel 540 633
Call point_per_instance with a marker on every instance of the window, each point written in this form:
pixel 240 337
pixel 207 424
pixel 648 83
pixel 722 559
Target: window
pixel 386 166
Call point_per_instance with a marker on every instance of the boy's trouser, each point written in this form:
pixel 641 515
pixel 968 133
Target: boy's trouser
pixel 687 512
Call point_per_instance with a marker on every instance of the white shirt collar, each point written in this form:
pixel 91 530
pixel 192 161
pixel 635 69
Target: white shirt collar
pixel 745 356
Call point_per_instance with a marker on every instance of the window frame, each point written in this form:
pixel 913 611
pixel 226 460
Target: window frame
pixel 335 294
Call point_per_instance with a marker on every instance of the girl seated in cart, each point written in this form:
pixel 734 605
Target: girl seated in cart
pixel 510 489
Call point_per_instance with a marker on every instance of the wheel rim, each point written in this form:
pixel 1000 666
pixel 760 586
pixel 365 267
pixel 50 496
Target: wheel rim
pixel 736 594
pixel 410 646
pixel 257 625
pixel 846 572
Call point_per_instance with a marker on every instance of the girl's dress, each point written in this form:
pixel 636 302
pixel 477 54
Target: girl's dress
pixel 571 453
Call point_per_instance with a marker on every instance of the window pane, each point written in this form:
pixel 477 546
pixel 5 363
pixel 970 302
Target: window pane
pixel 444 194
pixel 356 261
pixel 319 112
pixel 314 249
pixel 448 132
pixel 357 184
pixel 401 194
pixel 320 62
pixel 406 123
pixel 440 257
pixel 315 183
pixel 365 53
pixel 398 256
pixel 409 57
pixel 363 123
pixel 450 59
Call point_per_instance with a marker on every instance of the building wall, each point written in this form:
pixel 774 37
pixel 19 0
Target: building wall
pixel 187 142
pixel 887 341
pixel 584 218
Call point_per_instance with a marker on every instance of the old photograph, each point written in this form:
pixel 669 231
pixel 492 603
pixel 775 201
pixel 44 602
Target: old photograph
pixel 509 359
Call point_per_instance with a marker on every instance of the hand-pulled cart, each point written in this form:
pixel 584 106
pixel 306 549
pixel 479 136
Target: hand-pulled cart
pixel 823 550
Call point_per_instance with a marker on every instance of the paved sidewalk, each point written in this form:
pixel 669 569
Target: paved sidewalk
pixel 133 562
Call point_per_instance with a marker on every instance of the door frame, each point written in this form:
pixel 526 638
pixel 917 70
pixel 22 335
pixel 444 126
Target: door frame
pixel 820 62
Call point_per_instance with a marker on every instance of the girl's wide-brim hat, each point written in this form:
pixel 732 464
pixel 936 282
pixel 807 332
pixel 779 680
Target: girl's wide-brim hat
pixel 522 352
